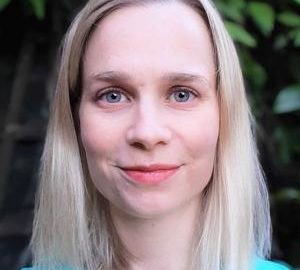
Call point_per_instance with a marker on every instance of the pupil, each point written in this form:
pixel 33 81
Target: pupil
pixel 182 96
pixel 113 97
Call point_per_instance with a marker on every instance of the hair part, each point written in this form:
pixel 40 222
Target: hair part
pixel 72 224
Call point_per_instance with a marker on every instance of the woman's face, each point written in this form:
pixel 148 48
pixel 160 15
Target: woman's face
pixel 149 118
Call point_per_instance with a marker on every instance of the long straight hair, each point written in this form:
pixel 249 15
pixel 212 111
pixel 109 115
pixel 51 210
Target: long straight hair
pixel 72 224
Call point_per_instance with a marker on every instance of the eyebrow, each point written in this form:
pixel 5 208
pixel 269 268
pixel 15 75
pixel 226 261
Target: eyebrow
pixel 171 77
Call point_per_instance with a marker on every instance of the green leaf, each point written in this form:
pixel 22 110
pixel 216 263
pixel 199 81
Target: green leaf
pixel 254 71
pixel 280 41
pixel 283 147
pixel 288 100
pixel 230 11
pixel 295 36
pixel 259 75
pixel 289 18
pixel 39 7
pixel 263 15
pixel 239 34
pixel 287 194
pixel 4 3
pixel 297 1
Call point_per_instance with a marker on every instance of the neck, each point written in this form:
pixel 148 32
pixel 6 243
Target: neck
pixel 161 242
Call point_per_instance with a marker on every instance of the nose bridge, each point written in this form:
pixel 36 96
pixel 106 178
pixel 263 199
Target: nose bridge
pixel 148 125
pixel 148 112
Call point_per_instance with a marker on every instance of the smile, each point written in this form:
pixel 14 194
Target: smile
pixel 150 175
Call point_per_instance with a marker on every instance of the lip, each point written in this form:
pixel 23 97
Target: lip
pixel 151 174
pixel 151 168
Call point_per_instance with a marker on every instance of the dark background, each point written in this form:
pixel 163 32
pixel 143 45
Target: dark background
pixel 267 35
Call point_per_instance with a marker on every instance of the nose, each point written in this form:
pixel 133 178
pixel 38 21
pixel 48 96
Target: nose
pixel 149 128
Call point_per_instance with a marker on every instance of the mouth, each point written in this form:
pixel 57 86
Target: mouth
pixel 150 175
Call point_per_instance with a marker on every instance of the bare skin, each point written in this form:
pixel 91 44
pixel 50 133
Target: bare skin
pixel 162 108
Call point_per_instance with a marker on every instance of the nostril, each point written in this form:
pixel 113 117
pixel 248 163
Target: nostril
pixel 139 145
pixel 146 133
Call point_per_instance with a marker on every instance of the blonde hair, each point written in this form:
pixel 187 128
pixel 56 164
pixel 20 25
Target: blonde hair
pixel 72 225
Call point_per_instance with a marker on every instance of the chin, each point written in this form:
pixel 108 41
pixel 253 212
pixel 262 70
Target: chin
pixel 146 206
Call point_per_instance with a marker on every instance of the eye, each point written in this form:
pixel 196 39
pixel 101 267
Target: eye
pixel 112 96
pixel 183 94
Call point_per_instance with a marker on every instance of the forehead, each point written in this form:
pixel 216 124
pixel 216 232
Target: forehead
pixel 162 35
pixel 169 13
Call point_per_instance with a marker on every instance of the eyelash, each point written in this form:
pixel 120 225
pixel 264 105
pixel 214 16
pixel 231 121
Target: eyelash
pixel 110 90
pixel 170 92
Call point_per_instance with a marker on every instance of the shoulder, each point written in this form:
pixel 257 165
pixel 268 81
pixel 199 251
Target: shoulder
pixel 261 264
pixel 34 268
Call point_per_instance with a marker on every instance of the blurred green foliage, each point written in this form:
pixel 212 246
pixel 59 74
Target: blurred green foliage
pixel 38 7
pixel 288 100
pixel 267 35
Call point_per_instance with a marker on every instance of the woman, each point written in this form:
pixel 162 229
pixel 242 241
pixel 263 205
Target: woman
pixel 149 161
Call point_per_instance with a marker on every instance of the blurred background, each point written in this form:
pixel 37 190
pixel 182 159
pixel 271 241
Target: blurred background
pixel 267 35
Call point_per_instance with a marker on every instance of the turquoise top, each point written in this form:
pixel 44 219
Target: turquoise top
pixel 268 265
pixel 259 265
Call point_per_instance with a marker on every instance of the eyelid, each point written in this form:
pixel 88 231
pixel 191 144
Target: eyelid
pixel 107 90
pixel 180 88
pixel 173 89
pixel 183 87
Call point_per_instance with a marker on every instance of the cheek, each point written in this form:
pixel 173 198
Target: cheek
pixel 98 139
pixel 201 143
pixel 202 165
pixel 97 134
pixel 201 134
